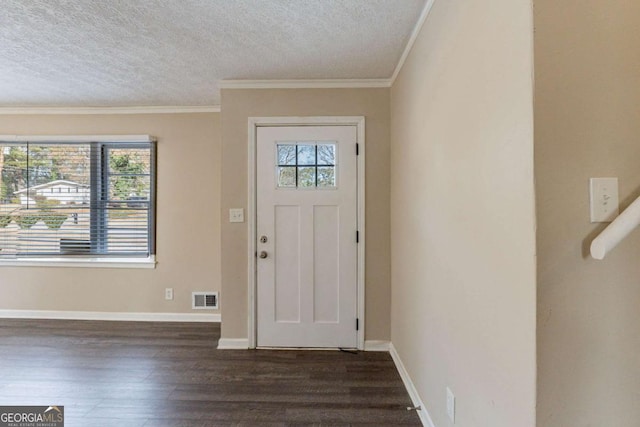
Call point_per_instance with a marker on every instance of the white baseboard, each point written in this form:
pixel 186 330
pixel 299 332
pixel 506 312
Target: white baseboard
pixel 375 345
pixel 243 344
pixel 115 316
pixel 413 393
pixel 233 344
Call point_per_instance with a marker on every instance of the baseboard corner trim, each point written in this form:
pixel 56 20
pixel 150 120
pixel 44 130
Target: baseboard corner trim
pixel 233 344
pixel 110 316
pixel 425 418
pixel 376 345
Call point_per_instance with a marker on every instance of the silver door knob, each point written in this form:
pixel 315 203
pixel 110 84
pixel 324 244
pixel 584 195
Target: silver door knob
pixel 263 254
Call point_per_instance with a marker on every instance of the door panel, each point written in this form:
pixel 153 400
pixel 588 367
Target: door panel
pixel 307 210
pixel 286 258
pixel 326 264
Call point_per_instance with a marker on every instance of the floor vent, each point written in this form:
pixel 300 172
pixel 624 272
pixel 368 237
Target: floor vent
pixel 204 300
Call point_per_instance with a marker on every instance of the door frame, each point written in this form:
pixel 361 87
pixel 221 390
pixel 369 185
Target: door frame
pixel 254 124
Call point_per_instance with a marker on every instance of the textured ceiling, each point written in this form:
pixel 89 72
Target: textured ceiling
pixel 173 52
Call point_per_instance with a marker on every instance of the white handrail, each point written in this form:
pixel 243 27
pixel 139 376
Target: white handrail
pixel 615 232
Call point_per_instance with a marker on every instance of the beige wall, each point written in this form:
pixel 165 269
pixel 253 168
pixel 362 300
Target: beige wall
pixel 188 221
pixel 587 125
pixel 462 208
pixel 240 104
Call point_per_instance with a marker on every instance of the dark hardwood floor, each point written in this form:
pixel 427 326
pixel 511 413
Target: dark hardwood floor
pixel 171 374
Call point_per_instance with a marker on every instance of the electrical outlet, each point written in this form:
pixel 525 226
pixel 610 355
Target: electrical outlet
pixel 604 199
pixel 451 405
pixel 168 293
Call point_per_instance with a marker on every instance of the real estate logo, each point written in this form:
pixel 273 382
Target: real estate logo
pixel 32 416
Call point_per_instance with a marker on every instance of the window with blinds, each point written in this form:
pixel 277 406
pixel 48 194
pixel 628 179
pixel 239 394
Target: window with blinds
pixel 70 199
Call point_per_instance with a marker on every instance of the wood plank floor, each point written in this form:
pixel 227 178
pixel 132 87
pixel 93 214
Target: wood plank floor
pixel 148 374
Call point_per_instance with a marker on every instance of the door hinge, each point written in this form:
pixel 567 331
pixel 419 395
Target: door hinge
pixel 357 236
pixel 357 324
pixel 357 149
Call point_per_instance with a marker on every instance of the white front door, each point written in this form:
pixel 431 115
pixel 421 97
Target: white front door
pixel 306 236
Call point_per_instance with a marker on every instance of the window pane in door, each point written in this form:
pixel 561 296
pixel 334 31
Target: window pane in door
pixel 326 176
pixel 306 154
pixel 326 154
pixel 307 176
pixel 286 154
pixel 286 176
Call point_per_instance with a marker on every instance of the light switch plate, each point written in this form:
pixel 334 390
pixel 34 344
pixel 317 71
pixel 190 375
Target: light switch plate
pixel 236 215
pixel 604 199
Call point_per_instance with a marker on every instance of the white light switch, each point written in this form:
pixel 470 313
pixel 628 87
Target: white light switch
pixel 236 215
pixel 604 199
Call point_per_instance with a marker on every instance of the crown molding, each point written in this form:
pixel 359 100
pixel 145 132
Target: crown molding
pixel 414 35
pixel 304 84
pixel 111 110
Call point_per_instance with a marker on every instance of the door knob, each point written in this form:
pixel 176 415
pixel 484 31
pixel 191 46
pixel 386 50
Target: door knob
pixel 263 254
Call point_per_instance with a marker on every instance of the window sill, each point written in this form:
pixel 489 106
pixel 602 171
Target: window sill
pixel 81 262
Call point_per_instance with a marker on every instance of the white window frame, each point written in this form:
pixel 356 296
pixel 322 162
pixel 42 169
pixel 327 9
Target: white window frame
pixel 90 261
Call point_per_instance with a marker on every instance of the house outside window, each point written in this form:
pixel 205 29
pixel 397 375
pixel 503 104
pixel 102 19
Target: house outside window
pixel 77 199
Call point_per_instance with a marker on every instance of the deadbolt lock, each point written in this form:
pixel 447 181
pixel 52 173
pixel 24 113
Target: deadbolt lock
pixel 263 239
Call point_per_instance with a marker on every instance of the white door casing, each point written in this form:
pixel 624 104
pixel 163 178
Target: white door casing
pixel 306 286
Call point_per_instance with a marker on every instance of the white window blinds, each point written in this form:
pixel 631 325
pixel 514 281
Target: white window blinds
pixel 77 198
